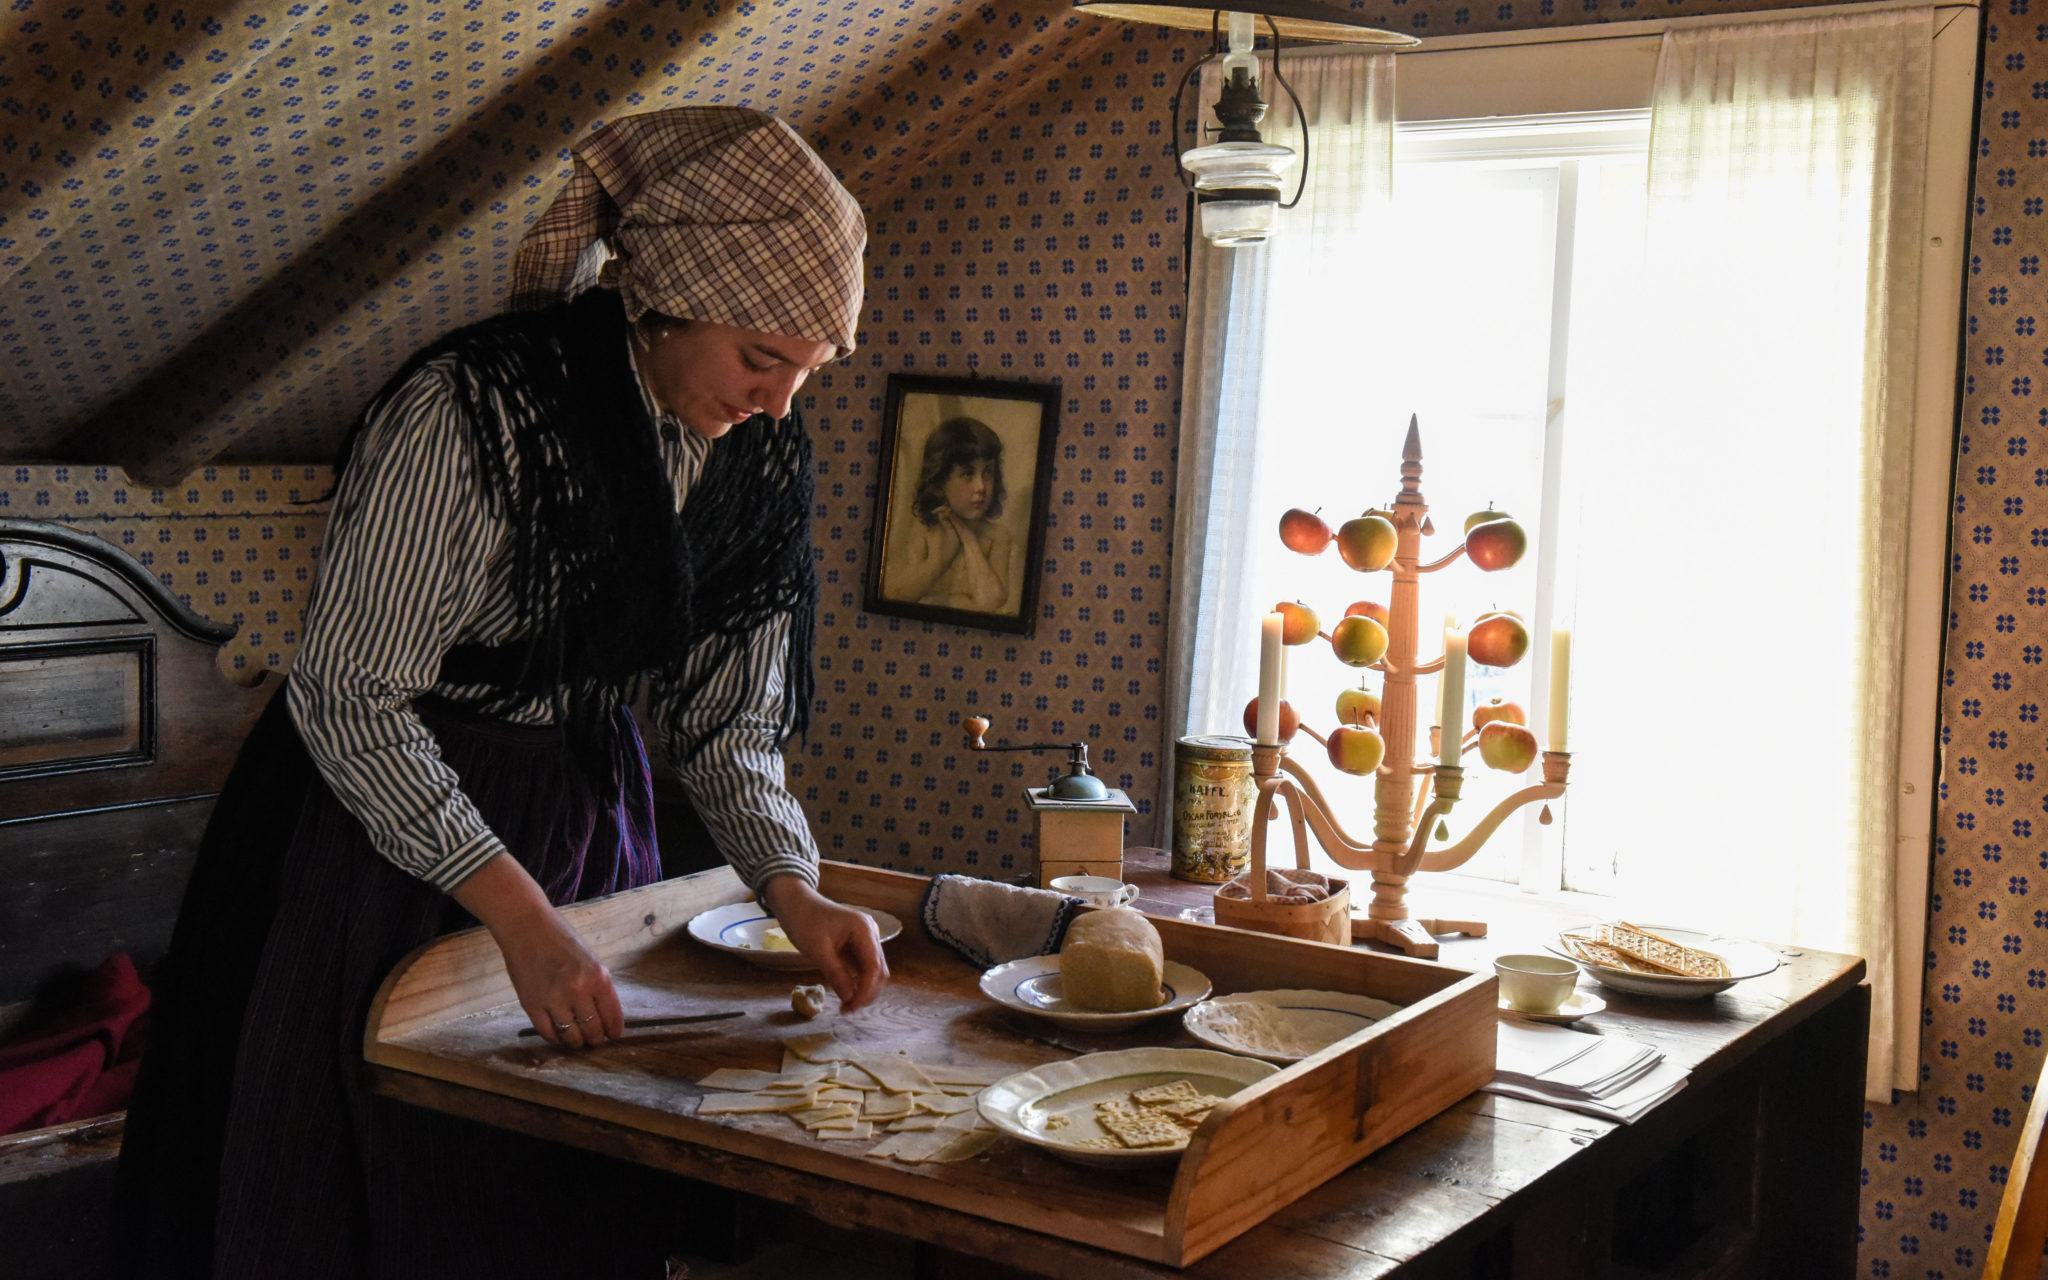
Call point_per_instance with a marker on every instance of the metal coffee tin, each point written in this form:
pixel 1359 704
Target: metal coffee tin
pixel 1213 794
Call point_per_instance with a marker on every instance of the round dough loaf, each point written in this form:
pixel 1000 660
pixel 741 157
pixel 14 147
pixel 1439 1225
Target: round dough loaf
pixel 1112 962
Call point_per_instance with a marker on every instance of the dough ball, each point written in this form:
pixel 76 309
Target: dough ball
pixel 808 1002
pixel 1112 962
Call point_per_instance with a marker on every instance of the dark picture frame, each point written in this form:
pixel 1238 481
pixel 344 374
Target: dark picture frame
pixel 988 446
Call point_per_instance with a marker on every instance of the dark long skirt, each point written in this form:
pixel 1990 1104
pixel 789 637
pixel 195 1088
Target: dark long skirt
pixel 252 1147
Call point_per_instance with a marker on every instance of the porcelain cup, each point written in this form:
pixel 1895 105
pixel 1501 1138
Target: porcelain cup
pixel 1096 891
pixel 1536 984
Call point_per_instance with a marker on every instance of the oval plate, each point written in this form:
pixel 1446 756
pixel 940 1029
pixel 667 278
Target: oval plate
pixel 1023 1104
pixel 1032 985
pixel 738 929
pixel 1322 1016
pixel 1745 960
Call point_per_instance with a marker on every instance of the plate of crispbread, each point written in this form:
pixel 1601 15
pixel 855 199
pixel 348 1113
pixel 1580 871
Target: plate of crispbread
pixel 1121 1108
pixel 1655 960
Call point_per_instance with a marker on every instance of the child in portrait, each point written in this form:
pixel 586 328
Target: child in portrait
pixel 956 555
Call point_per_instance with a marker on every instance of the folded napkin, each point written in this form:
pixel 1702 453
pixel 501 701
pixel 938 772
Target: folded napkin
pixel 991 923
pixel 1600 1075
pixel 1282 885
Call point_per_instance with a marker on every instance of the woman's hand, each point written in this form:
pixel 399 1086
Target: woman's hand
pixel 564 989
pixel 841 940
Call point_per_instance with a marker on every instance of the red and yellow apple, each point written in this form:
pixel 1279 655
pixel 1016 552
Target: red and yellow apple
pixel 1358 641
pixel 1498 709
pixel 1358 706
pixel 1510 748
pixel 1494 545
pixel 1370 609
pixel 1305 531
pixel 1497 640
pixel 1298 623
pixel 1356 750
pixel 1290 720
pixel 1367 543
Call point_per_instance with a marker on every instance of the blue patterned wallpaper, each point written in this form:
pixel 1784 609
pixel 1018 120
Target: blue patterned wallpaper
pixel 234 544
pixel 1025 226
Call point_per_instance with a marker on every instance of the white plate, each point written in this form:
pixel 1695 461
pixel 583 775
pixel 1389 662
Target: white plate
pixel 1321 1017
pixel 1576 1006
pixel 1745 960
pixel 738 930
pixel 1032 985
pixel 1023 1104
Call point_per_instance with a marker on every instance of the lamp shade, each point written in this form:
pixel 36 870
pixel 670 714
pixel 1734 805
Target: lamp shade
pixel 1325 20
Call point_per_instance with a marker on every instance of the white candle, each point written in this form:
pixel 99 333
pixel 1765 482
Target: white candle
pixel 1453 687
pixel 1560 684
pixel 1269 680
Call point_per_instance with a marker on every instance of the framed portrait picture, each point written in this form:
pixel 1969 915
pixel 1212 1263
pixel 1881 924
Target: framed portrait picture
pixel 959 526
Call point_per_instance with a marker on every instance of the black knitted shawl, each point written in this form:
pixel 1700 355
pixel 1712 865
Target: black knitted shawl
pixel 611 583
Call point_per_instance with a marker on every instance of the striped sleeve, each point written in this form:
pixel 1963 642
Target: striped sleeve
pixel 402 570
pixel 737 782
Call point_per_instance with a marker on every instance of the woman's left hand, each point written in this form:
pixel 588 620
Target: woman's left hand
pixel 840 939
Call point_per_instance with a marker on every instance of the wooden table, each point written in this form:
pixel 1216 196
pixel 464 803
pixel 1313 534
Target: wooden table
pixel 1749 1172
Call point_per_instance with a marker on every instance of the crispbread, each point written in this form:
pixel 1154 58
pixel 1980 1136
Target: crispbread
pixel 1145 1130
pixel 838 1093
pixel 1599 953
pixel 1644 952
pixel 1158 1094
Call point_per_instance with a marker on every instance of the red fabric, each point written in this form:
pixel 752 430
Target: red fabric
pixel 76 1057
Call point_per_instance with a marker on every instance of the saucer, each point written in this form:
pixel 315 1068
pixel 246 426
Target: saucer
pixel 1576 1006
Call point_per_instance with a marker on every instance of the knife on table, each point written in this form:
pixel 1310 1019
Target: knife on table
pixel 631 1023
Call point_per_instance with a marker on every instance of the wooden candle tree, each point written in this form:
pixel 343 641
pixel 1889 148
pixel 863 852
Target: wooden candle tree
pixel 1409 797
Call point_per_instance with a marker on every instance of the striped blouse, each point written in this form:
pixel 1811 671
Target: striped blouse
pixel 415 563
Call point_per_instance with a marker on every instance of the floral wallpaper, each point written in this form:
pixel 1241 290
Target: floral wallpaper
pixel 1025 225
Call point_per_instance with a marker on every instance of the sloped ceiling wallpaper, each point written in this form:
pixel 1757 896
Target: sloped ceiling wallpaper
pixel 222 224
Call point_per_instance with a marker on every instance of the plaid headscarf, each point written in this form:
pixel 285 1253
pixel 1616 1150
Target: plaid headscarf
pixel 719 213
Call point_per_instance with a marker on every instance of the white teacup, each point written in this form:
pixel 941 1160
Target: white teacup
pixel 1096 891
pixel 1536 984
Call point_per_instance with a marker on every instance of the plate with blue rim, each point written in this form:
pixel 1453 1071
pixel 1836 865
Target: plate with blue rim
pixel 741 929
pixel 1033 985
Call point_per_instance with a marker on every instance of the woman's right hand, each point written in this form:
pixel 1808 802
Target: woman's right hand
pixel 565 990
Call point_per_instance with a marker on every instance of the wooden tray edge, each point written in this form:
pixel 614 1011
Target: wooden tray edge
pixel 1291 1132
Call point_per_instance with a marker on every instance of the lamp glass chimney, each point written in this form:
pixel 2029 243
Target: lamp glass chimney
pixel 1237 179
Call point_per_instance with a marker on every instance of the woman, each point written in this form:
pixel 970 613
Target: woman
pixel 957 556
pixel 538 518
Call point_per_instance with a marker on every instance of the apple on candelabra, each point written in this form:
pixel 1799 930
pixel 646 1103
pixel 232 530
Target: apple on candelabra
pixel 1499 638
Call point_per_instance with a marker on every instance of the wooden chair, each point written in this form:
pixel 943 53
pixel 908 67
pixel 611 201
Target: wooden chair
pixel 2022 1227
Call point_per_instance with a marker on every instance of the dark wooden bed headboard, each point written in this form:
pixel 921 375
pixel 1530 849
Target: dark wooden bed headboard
pixel 116 731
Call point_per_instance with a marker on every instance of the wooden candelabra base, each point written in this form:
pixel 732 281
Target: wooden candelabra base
pixel 1415 937
pixel 1282 782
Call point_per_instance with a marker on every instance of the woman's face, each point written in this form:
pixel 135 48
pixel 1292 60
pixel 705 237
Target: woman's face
pixel 969 488
pixel 714 376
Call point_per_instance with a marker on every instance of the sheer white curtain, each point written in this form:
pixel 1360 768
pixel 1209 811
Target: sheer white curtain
pixel 1242 305
pixel 1739 627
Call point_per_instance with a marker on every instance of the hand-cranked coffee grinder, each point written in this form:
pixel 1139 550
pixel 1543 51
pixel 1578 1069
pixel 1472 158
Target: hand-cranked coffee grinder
pixel 1077 820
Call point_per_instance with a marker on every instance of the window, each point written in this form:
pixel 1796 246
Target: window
pixel 1520 244
pixel 1500 309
